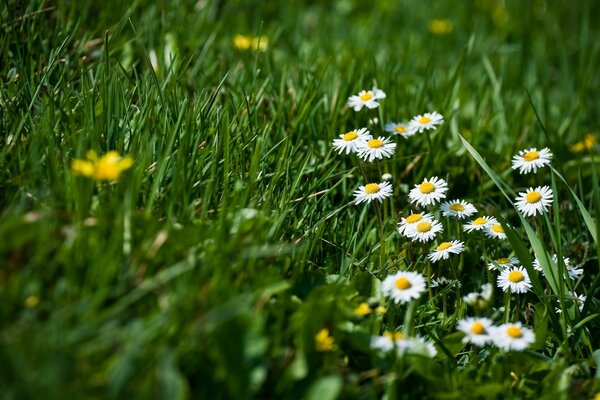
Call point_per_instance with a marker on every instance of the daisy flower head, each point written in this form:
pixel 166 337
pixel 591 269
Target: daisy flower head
pixel 389 340
pixel 403 286
pixel 349 141
pixel 480 299
pixel 379 148
pixel 430 191
pixel 503 263
pixel 424 231
pixel 514 279
pixel 445 249
pixel 531 159
pixel 494 231
pixel 534 201
pixel 408 225
pixel 366 98
pixel 578 299
pixel 479 224
pixel 426 121
pixel 477 330
pixel 373 191
pixel 400 129
pixel 513 336
pixel 459 209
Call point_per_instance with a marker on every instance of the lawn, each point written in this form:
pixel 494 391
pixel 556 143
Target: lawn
pixel 313 200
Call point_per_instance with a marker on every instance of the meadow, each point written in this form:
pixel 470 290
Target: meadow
pixel 223 199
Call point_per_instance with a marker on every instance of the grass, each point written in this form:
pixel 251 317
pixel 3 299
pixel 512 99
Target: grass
pixel 207 269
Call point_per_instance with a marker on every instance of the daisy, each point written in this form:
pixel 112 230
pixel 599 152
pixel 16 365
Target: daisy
pixel 533 202
pixel 403 286
pixel 503 263
pixel 400 129
pixel 389 340
pixel 430 191
pixel 477 330
pixel 425 231
pixel 426 121
pixel 494 231
pixel 444 250
pixel 366 98
pixel 480 298
pixel 457 209
pixel 573 272
pixel 531 159
pixel 408 225
pixel 373 191
pixel 579 299
pixel 379 148
pixel 516 279
pixel 349 141
pixel 480 223
pixel 513 336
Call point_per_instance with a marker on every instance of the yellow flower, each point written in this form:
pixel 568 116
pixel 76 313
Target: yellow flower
pixel 362 309
pixel 106 168
pixel 242 42
pixel 588 143
pixel 440 26
pixel 32 301
pixel 324 342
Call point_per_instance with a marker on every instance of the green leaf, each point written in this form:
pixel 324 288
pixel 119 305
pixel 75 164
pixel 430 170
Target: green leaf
pixel 326 388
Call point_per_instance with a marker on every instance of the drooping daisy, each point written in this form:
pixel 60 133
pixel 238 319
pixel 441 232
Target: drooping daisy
pixel 512 336
pixel 400 129
pixel 408 225
pixel 514 279
pixel 426 121
pixel 404 286
pixel 477 330
pixel 379 148
pixel 579 299
pixel 366 98
pixel 480 299
pixel 531 159
pixel 534 201
pixel 480 223
pixel 373 191
pixel 573 271
pixel 430 191
pixel 444 250
pixel 494 231
pixel 349 141
pixel 503 263
pixel 425 231
pixel 459 209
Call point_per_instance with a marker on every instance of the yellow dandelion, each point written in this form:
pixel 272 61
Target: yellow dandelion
pixel 362 309
pixel 440 26
pixel 242 42
pixel 106 168
pixel 323 341
pixel 588 143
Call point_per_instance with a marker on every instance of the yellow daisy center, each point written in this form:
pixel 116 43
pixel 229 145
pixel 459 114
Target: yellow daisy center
pixel 531 155
pixel 426 187
pixel 498 228
pixel 366 96
pixel 350 136
pixel 457 207
pixel 514 332
pixel 394 335
pixel 400 129
pixel 444 246
pixel 424 120
pixel 424 227
pixel 533 197
pixel 413 218
pixel 372 188
pixel 503 261
pixel 515 276
pixel 375 143
pixel 403 283
pixel 480 221
pixel 477 328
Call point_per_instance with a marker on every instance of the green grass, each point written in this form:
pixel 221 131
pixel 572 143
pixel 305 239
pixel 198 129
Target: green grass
pixel 208 268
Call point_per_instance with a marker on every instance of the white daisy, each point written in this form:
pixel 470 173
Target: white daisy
pixel 444 250
pixel 379 148
pixel 573 271
pixel 422 347
pixel 533 202
pixel 477 330
pixel 494 231
pixel 579 299
pixel 531 159
pixel 400 129
pixel 480 298
pixel 366 98
pixel 373 191
pixel 516 279
pixel 480 223
pixel 426 121
pixel 403 286
pixel 408 225
pixel 390 340
pixel 430 191
pixel 457 209
pixel 503 263
pixel 425 231
pixel 512 336
pixel 349 141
